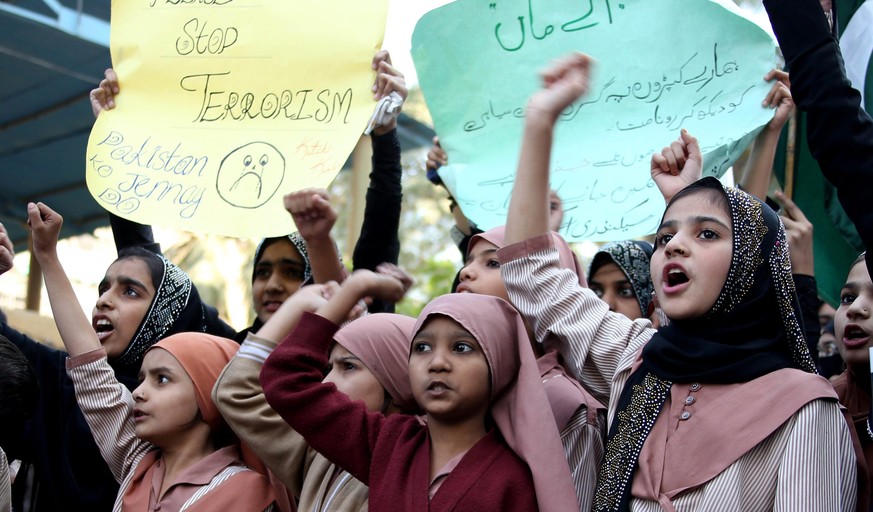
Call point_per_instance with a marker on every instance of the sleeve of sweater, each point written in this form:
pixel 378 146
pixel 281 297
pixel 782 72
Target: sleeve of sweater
pixel 379 241
pixel 840 133
pixel 108 408
pixel 240 398
pixel 342 430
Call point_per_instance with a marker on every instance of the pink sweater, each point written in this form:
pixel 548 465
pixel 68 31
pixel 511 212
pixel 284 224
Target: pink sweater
pixel 391 455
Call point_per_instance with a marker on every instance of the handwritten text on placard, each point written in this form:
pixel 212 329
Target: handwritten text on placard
pixel 227 105
pixel 661 65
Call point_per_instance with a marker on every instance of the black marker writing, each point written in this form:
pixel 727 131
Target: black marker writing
pixel 199 38
pixel 219 104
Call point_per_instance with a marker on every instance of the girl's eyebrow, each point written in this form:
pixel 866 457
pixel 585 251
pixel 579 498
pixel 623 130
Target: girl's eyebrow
pixel 347 358
pixel 463 333
pixel 668 224
pixel 698 219
pixel 282 261
pixel 851 286
pixel 457 332
pixel 621 281
pixel 160 369
pixel 472 256
pixel 131 282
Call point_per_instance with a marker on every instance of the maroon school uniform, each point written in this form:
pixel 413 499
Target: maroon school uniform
pixel 395 459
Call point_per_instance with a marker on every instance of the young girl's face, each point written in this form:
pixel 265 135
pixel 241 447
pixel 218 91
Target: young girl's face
pixel 613 287
pixel 351 377
pixel 693 249
pixel 126 294
pixel 278 274
pixel 165 401
pixel 481 272
pixel 448 372
pixel 853 323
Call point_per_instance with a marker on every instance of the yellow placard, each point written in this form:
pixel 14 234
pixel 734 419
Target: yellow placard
pixel 228 105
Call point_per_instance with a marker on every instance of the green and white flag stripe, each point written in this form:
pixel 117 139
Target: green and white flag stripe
pixel 856 43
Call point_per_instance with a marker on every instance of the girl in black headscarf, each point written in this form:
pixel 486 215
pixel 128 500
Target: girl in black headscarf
pixel 281 267
pixel 143 298
pixel 720 410
pixel 713 357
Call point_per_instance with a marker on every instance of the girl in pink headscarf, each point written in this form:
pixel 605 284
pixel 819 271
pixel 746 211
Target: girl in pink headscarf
pixel 488 442
pixel 580 418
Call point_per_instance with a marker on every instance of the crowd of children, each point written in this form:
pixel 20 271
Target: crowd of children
pixel 682 375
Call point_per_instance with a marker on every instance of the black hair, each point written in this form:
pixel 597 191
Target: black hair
pixel 19 393
pixel 716 196
pixel 153 262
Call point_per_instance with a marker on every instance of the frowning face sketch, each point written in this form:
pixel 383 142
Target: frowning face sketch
pixel 250 175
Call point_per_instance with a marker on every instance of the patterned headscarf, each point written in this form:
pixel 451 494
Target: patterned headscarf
pixel 752 329
pixel 298 243
pixel 633 258
pixel 176 307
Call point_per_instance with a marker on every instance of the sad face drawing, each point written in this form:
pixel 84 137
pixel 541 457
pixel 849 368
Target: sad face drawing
pixel 250 175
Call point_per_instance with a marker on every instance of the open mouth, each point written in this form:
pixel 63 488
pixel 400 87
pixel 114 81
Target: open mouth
pixel 103 328
pixel 855 336
pixel 674 277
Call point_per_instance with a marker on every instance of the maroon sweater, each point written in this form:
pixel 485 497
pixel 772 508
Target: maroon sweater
pixel 391 455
